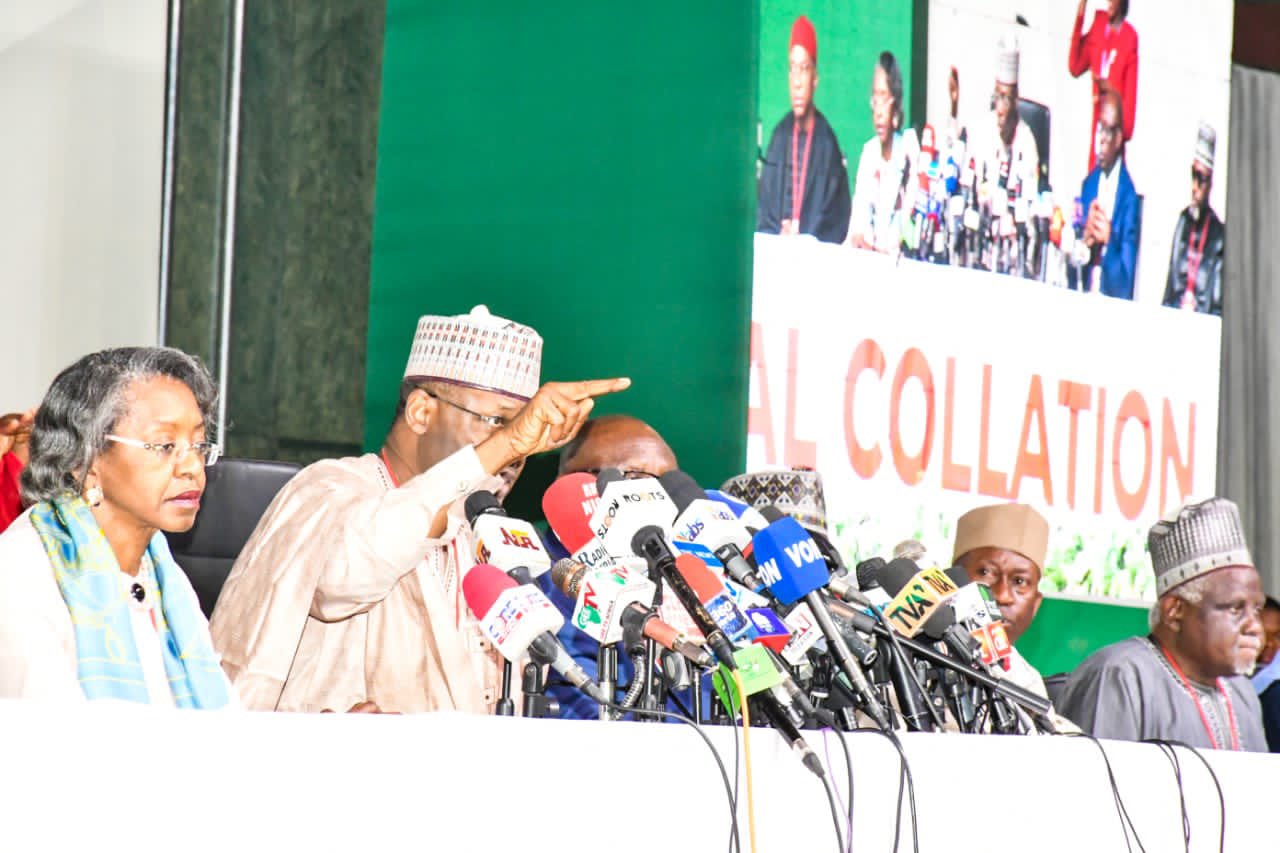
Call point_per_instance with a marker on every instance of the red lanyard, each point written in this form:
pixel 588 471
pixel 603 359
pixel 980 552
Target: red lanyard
pixel 387 464
pixel 1204 718
pixel 1195 255
pixel 798 178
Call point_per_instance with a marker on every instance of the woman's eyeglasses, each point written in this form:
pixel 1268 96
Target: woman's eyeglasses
pixel 173 451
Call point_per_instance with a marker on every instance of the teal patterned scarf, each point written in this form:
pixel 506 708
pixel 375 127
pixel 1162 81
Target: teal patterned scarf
pixel 107 657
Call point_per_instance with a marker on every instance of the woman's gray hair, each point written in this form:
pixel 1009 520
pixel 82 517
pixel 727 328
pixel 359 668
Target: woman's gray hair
pixel 84 404
pixel 1192 592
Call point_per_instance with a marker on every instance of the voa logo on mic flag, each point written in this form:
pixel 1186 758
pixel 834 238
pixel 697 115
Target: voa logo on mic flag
pixel 788 561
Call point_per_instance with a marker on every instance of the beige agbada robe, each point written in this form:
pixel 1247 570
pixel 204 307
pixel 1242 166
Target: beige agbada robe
pixel 339 596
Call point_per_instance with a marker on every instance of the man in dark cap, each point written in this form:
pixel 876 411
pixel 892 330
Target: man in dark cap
pixel 1195 267
pixel 1184 681
pixel 804 186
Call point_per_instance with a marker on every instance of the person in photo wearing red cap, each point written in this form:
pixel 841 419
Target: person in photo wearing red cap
pixel 804 186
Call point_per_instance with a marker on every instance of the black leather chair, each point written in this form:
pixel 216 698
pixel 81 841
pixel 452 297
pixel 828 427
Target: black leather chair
pixel 237 493
pixel 1053 685
pixel 1036 115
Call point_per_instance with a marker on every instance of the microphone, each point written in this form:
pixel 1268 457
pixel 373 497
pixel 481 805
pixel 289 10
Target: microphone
pixel 519 619
pixel 567 506
pixel 769 629
pixel 867 574
pixel 502 541
pixel 765 686
pixel 977 610
pixel 792 567
pixel 917 595
pixel 835 563
pixel 715 598
pixel 640 621
pixel 625 507
pixel 710 523
pixel 747 514
pixel 600 596
pixel 612 606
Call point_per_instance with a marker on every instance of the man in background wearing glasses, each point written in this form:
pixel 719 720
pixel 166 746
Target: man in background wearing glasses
pixel 1113 220
pixel 348 594
pixel 1195 269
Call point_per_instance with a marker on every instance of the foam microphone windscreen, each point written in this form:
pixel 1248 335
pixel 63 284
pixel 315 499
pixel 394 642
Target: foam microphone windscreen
pixel 700 579
pixel 567 505
pixel 771 513
pixel 682 488
pixel 897 574
pixel 479 503
pixel 607 476
pixel 482 585
pixel 868 572
pixel 958 576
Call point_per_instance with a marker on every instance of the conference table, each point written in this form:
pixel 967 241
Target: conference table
pixel 111 776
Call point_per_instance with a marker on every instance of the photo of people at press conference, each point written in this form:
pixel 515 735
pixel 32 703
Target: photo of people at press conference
pixel 972 184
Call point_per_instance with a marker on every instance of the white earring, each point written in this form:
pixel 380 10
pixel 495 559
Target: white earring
pixel 93 495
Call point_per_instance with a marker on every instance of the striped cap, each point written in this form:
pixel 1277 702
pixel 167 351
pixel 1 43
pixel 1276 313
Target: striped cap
pixel 1197 539
pixel 478 350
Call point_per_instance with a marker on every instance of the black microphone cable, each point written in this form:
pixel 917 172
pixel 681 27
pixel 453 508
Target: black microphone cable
pixel 733 729
pixel 906 786
pixel 1217 783
pixel 848 764
pixel 1126 822
pixel 724 774
pixel 1170 754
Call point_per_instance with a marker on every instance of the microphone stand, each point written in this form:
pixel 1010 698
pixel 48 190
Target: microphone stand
pixel 506 707
pixel 536 702
pixel 607 674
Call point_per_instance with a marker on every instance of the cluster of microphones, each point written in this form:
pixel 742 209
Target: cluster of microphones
pixel 692 584
pixel 958 209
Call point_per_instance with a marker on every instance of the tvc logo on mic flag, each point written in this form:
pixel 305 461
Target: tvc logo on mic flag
pixel 789 561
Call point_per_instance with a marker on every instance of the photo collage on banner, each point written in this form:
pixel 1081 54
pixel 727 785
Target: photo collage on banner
pixel 1014 296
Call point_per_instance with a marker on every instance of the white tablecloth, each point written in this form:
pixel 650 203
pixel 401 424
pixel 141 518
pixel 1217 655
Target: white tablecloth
pixel 120 777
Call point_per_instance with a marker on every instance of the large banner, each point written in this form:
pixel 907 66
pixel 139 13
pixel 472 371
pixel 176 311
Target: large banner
pixel 917 402
pixel 1015 298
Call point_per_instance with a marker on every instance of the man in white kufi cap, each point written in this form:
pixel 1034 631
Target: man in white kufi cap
pixel 348 594
pixel 1012 149
pixel 1184 681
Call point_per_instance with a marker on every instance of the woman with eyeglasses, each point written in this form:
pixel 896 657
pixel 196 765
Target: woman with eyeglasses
pixel 94 606
pixel 884 163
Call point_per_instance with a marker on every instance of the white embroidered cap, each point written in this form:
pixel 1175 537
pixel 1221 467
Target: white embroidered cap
pixel 478 350
pixel 1007 59
pixel 1206 142
pixel 1197 539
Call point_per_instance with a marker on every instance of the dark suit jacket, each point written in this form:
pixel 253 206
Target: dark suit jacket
pixel 1120 258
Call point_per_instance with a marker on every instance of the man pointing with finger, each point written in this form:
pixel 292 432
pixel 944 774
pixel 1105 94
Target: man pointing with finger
pixel 349 590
